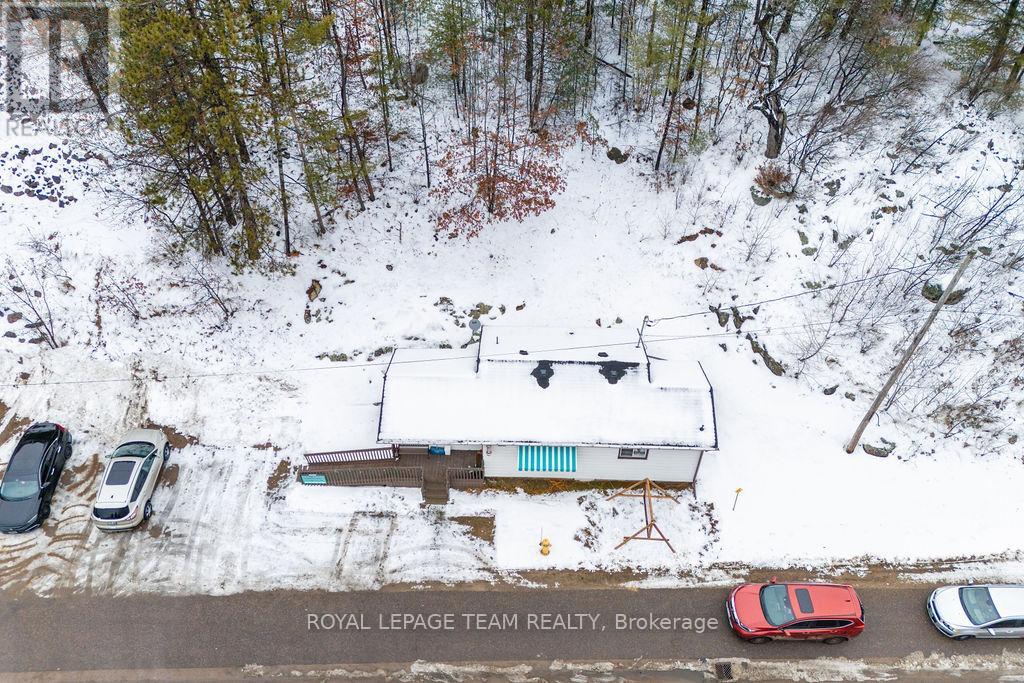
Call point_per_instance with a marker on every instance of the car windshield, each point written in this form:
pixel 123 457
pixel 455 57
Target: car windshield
pixel 134 449
pixel 775 604
pixel 977 603
pixel 120 473
pixel 21 480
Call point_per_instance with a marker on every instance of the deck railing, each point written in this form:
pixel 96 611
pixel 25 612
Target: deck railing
pixel 465 477
pixel 362 455
pixel 362 476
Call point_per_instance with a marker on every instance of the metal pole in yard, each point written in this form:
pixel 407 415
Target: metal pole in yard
pixel 852 446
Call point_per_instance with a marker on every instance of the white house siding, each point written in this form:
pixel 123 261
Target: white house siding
pixel 662 464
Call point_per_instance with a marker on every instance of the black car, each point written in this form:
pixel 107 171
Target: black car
pixel 32 475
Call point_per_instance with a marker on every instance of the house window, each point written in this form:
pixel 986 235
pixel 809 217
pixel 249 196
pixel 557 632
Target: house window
pixel 633 453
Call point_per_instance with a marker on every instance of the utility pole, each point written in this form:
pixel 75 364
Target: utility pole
pixel 850 447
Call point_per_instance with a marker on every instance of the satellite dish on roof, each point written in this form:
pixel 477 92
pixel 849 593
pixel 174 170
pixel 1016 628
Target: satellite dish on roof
pixel 474 324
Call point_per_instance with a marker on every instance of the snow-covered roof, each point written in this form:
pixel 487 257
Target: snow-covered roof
pixel 559 344
pixel 469 396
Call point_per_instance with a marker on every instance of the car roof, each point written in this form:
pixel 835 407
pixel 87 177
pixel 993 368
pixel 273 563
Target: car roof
pixel 1008 599
pixel 40 432
pixel 28 451
pixel 827 599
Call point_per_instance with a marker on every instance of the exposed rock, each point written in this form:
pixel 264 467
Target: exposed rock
pixel 933 292
pixel 701 262
pixel 882 451
pixel 777 368
pixel 314 289
pixel 738 319
pixel 828 391
pixel 759 197
pixel 333 357
pixel 723 316
pixel 479 310
pixel 14 317
pixel 10 335
pixel 617 155
pixel 699 233
pixel 850 395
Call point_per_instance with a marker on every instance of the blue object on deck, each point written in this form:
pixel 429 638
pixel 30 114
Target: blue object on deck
pixel 547 458
pixel 435 450
pixel 313 478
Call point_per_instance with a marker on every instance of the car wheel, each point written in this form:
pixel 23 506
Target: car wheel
pixel 759 640
pixel 167 452
pixel 147 511
pixel 44 511
pixel 835 640
pixel 963 637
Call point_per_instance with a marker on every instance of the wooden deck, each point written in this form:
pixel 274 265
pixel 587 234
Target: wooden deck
pixel 434 468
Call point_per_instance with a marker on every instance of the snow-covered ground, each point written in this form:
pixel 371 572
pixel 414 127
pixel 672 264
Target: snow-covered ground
pixel 286 375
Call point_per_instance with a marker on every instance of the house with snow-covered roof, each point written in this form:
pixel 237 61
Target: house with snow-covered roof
pixel 553 403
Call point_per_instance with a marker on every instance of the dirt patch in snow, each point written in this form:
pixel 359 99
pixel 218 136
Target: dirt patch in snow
pixel 81 477
pixel 480 527
pixel 177 439
pixel 282 474
pixel 15 426
pixel 576 578
pixel 169 476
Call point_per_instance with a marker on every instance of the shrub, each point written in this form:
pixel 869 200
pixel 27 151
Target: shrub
pixel 774 180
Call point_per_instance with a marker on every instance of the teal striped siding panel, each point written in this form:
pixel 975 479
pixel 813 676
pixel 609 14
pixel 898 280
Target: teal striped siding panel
pixel 547 459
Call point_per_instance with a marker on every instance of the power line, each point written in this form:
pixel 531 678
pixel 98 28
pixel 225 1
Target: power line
pixel 347 366
pixel 805 292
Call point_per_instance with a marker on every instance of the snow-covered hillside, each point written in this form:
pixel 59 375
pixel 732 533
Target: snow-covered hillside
pixel 297 367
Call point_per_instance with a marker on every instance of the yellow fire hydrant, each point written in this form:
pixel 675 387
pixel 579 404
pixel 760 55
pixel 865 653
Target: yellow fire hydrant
pixel 545 546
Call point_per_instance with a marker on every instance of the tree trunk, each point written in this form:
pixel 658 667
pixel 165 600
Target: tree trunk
pixel 998 54
pixel 698 39
pixel 1016 70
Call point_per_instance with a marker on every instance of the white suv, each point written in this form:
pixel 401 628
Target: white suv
pixel 125 497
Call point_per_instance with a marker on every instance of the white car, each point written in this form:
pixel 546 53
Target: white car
pixel 126 491
pixel 982 611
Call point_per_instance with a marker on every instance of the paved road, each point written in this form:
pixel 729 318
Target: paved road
pixel 144 632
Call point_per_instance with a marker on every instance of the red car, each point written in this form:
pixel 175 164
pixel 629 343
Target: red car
pixel 760 612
